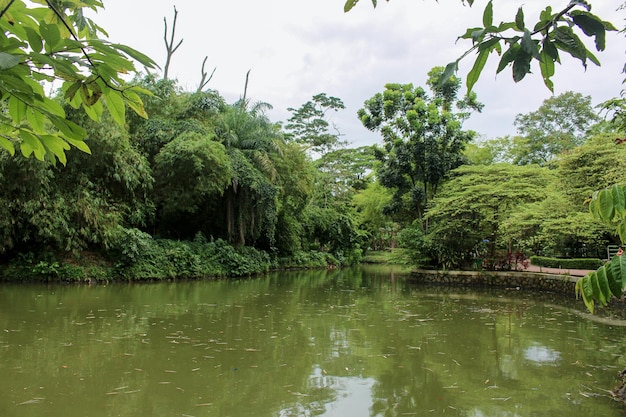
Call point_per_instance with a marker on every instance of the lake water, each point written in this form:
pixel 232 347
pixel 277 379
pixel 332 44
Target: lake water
pixel 354 342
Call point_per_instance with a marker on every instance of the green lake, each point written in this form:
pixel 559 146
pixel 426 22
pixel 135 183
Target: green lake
pixel 353 342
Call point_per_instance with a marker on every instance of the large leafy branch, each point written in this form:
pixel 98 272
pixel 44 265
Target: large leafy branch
pixel 519 44
pixel 58 45
pixel 609 207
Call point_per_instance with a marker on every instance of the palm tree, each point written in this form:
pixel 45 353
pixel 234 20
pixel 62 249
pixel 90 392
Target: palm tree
pixel 251 141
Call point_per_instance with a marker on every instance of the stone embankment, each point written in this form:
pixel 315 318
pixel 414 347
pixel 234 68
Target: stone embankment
pixel 561 283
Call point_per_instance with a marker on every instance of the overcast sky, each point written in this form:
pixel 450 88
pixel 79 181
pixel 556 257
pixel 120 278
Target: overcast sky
pixel 298 48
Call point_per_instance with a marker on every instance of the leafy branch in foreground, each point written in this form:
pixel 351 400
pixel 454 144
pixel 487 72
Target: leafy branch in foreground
pixel 609 207
pixel 47 43
pixel 519 44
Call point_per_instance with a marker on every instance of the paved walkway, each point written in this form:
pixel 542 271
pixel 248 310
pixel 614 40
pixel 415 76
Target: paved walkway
pixel 557 271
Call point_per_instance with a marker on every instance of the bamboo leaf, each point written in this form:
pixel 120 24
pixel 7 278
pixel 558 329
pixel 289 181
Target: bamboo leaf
pixel 488 14
pixel 519 19
pixel 349 5
pixel 474 73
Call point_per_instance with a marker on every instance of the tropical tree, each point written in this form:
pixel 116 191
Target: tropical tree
pixel 520 43
pixel 251 141
pixel 45 42
pixel 468 215
pixel 310 124
pixel 423 141
pixel 191 172
pixel 561 123
pixel 84 205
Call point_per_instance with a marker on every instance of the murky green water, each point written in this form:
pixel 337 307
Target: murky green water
pixel 341 343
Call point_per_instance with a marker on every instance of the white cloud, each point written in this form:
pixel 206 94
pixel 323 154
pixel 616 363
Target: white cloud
pixel 298 48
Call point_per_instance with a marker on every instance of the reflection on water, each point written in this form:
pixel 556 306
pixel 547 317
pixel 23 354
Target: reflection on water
pixel 542 354
pixel 359 342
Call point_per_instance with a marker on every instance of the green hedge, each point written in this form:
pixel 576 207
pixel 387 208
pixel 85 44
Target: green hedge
pixel 575 263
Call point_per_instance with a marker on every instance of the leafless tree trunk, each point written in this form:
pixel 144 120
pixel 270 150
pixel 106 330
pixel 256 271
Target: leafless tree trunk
pixel 170 49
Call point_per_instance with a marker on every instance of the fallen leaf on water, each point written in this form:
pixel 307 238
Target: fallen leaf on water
pixel 35 400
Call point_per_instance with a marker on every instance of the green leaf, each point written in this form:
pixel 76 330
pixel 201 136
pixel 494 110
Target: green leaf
pixel 34 40
pixel 568 41
pixel 595 286
pixel 7 145
pixel 592 26
pixel 8 61
pixel 116 106
pixel 618 269
pixel 546 64
pixel 17 109
pixel 144 60
pixel 94 111
pixel 51 35
pixel 488 14
pixel 603 285
pixel 519 19
pixel 508 56
pixel 31 144
pixel 615 282
pixel 134 102
pixel 621 230
pixel 448 72
pixel 474 73
pixel 57 146
pixel 584 288
pixel 79 144
pixel 521 65
pixel 349 5
pixel 605 206
pixel 619 199
pixel 36 120
pixel 69 129
pixel 528 45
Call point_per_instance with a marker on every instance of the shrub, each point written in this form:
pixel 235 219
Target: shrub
pixel 575 263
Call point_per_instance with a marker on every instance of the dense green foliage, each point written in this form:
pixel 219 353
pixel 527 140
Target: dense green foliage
pixel 566 263
pixel 423 140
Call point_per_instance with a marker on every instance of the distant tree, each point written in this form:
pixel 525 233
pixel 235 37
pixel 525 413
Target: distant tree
pixel 423 141
pixel 561 123
pixel 310 126
pixel 473 205
pixel 248 209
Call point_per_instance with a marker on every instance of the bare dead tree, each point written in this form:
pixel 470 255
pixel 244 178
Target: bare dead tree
pixel 245 90
pixel 170 49
pixel 204 80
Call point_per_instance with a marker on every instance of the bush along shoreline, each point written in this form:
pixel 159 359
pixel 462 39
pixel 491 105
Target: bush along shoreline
pixel 143 258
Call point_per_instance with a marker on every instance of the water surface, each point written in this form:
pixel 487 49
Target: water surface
pixel 357 342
